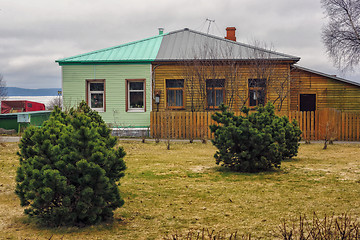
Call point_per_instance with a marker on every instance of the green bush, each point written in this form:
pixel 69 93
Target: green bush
pixel 69 169
pixel 254 142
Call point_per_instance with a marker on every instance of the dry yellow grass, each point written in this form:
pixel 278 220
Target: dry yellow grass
pixel 172 191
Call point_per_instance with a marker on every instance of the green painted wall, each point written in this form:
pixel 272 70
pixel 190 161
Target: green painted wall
pixel 9 121
pixel 74 90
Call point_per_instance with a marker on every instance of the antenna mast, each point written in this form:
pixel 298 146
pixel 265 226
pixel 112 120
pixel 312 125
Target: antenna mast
pixel 210 21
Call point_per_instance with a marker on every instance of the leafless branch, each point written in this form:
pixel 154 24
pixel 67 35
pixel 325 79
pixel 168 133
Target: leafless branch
pixel 341 35
pixel 3 89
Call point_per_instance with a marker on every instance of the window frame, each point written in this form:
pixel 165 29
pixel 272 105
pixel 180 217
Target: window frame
pixel 257 89
pixel 175 89
pixel 88 93
pixel 127 95
pixel 214 94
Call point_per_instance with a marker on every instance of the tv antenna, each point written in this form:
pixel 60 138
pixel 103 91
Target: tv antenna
pixel 210 21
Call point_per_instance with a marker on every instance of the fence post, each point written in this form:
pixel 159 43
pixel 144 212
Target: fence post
pixel 209 123
pixel 151 124
pixel 312 132
pixel 316 124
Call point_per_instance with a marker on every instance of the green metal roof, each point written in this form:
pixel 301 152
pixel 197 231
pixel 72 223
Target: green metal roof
pixel 139 51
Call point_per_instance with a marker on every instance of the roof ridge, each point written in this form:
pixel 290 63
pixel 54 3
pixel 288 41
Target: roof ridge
pixel 234 42
pixel 110 48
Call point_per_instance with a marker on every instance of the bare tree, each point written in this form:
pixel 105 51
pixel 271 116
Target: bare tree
pixel 341 35
pixel 330 134
pixel 218 63
pixel 56 101
pixel 267 76
pixel 212 67
pixel 197 71
pixel 3 89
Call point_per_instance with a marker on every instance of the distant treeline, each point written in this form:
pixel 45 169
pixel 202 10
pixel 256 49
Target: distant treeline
pixel 14 91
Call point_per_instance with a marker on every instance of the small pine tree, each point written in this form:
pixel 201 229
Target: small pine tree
pixel 69 169
pixel 254 142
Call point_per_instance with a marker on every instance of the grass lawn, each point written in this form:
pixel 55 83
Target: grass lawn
pixel 173 191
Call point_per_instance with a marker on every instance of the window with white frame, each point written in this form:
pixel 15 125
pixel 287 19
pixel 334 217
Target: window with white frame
pixel 135 95
pixel 96 95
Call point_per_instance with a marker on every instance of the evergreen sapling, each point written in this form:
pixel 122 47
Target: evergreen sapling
pixel 69 169
pixel 255 142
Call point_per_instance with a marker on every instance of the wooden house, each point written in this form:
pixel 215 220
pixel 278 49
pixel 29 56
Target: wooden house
pixel 189 71
pixel 194 71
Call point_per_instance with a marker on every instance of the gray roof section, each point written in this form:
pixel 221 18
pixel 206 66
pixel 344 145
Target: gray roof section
pixel 327 75
pixel 189 45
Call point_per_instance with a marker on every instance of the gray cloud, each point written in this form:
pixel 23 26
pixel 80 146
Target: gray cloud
pixel 33 34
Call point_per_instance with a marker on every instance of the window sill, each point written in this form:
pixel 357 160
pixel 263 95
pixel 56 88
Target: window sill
pixel 136 110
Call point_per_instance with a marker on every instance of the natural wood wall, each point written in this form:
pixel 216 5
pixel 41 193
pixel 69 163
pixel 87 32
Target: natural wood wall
pixel 330 93
pixel 238 88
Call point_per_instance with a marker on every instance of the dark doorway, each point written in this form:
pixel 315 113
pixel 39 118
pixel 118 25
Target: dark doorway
pixel 307 102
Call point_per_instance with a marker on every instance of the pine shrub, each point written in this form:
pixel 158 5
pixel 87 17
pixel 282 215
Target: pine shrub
pixel 69 169
pixel 255 142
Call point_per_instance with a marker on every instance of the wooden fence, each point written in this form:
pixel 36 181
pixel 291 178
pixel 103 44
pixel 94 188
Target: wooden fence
pixel 316 125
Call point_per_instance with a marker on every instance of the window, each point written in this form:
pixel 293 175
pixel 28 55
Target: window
pixel 257 92
pixel 175 93
pixel 215 92
pixel 307 102
pixel 135 99
pixel 96 94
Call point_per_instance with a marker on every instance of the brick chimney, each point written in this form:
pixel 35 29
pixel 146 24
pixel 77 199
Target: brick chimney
pixel 230 33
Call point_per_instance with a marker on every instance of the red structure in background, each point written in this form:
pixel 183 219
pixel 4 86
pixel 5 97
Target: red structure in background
pixel 21 106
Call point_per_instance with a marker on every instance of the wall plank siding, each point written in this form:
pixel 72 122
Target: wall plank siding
pixel 236 91
pixel 74 90
pixel 330 93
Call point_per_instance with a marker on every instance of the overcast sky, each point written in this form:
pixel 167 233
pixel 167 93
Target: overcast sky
pixel 35 33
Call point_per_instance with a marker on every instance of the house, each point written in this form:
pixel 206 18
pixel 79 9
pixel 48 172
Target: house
pixel 190 71
pixel 116 82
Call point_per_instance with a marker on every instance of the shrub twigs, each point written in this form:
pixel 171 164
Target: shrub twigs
pixel 340 227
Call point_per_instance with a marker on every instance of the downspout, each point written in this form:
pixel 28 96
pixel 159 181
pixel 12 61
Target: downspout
pixel 62 87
